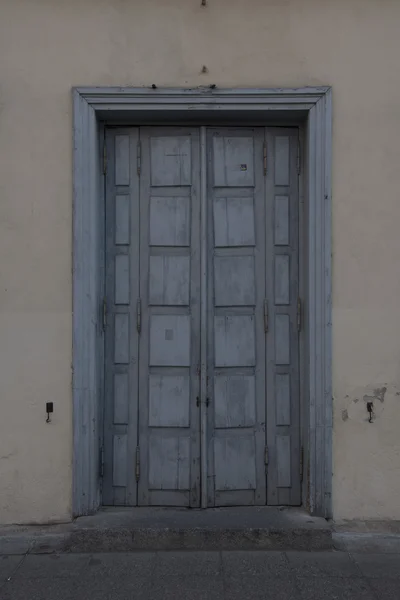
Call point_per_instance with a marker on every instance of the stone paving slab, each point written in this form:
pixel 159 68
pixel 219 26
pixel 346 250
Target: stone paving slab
pixel 39 589
pixel 86 588
pixel 382 566
pixel 53 566
pixel 188 588
pixel 260 588
pixel 322 564
pixel 8 564
pixel 120 565
pixel 253 564
pixel 333 588
pixel 201 576
pixel 188 564
pixel 386 589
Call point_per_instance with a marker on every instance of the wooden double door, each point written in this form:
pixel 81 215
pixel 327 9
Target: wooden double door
pixel 202 277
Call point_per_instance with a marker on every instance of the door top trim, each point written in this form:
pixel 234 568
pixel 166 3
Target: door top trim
pixel 201 98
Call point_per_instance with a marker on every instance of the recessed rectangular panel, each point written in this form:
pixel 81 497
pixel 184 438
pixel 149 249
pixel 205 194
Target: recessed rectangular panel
pixel 282 279
pixel 282 339
pixel 283 460
pixel 122 160
pixel 169 400
pixel 282 158
pixel 234 401
pixel 234 281
pixel 170 161
pixel 233 161
pixel 234 341
pixel 235 462
pixel 169 280
pixel 122 279
pixel 121 398
pixel 122 220
pixel 234 222
pixel 121 338
pixel 282 387
pixel 170 221
pixel 169 462
pixel 281 224
pixel 120 460
pixel 170 340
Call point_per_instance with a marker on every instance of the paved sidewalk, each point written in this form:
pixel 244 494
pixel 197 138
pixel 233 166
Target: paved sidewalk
pixel 236 575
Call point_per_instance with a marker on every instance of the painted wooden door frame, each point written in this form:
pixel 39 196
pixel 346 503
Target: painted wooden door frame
pixel 91 106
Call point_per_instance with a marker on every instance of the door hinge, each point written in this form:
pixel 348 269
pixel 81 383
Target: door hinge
pixel 265 158
pixel 298 314
pixel 139 157
pixel 139 315
pixel 104 159
pixel 298 158
pixel 137 464
pixel 266 316
pixel 101 462
pixel 104 313
pixel 301 463
pixel 266 456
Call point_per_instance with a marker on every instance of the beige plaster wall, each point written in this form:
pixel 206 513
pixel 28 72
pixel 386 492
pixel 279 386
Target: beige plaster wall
pixel 48 46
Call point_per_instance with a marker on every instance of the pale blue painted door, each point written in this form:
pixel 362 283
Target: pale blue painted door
pixel 153 332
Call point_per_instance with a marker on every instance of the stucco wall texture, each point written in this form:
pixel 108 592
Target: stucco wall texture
pixel 49 46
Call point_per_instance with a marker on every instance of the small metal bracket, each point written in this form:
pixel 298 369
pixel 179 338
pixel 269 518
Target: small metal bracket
pixel 298 157
pixel 139 157
pixel 370 409
pixel 101 462
pixel 266 316
pixel 301 463
pixel 198 401
pixel 265 158
pixel 104 313
pixel 139 315
pixel 266 456
pixel 299 311
pixel 137 464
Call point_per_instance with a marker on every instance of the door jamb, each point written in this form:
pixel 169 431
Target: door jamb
pixel 91 105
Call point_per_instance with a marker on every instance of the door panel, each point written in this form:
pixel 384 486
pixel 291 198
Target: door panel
pixel 236 337
pixel 282 262
pixel 122 289
pixel 169 435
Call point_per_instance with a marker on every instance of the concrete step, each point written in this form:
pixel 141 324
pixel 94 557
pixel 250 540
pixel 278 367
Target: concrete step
pixel 134 529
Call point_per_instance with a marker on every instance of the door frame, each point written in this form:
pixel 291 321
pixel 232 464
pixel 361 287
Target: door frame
pixel 309 108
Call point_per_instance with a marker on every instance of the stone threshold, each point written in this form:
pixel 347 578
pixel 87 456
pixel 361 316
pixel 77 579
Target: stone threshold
pixel 152 529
